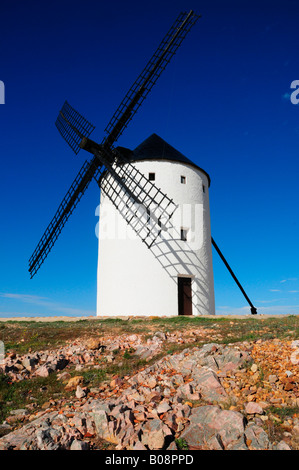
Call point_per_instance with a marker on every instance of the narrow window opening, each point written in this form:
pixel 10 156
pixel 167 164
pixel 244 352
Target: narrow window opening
pixel 184 234
pixel 183 179
pixel 152 176
pixel 203 188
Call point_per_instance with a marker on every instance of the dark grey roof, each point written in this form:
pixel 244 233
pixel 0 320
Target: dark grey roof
pixel 155 148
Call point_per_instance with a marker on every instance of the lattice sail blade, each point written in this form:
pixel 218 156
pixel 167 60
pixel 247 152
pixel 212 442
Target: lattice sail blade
pixel 141 203
pixel 148 77
pixel 73 126
pixel 89 170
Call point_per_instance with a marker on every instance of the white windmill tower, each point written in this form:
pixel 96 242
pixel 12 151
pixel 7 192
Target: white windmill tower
pixel 153 192
pixel 174 275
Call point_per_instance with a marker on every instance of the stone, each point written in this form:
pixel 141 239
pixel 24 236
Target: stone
pixel 79 445
pixel 139 446
pixel 74 382
pixel 163 407
pixel 209 386
pixel 213 428
pixel 93 343
pixel 44 371
pixel 153 435
pixel 294 358
pixel 116 382
pixel 195 437
pixel 282 445
pixel 240 444
pixel 20 412
pixel 272 378
pixel 230 425
pixel 80 393
pixel 151 382
pixel 253 408
pixel 104 429
pixel 64 377
pixel 257 437
pixel 29 363
pixel 156 440
pixel 4 429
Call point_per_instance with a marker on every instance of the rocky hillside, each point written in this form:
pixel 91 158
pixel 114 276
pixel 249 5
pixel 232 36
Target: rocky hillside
pixel 170 389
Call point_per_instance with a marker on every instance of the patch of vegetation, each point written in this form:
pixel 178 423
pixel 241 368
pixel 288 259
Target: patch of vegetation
pixel 181 443
pixel 94 377
pixel 283 412
pixel 37 391
pixel 37 336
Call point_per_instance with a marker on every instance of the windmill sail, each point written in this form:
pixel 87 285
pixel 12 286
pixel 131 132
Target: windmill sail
pixel 67 206
pixel 75 130
pixel 73 126
pixel 141 203
pixel 148 77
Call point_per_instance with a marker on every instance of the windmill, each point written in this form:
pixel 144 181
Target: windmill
pixel 144 206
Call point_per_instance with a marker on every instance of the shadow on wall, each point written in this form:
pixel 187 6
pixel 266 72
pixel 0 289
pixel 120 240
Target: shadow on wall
pixel 156 224
pixel 178 259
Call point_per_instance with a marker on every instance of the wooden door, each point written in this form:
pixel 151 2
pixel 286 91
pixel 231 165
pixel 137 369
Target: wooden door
pixel 185 295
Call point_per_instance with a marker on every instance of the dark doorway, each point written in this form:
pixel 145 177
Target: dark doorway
pixel 185 295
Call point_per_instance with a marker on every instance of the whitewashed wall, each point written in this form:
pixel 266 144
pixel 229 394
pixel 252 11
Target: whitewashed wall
pixel 136 280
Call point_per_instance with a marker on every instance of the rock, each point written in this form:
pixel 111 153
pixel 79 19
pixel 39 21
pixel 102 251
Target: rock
pixel 29 363
pixel 282 445
pixel 294 358
pixel 44 371
pixel 93 344
pixel 80 393
pixel 253 368
pixel 147 410
pixel 195 438
pixel 272 378
pixel 64 377
pixel 19 412
pixel 139 446
pixel 102 426
pixel 79 445
pixel 257 437
pixel 4 429
pixel 163 407
pixel 151 382
pixel 209 386
pixel 143 352
pixel 116 382
pixel 74 382
pixel 153 434
pixel 213 428
pixel 46 405
pixel 253 408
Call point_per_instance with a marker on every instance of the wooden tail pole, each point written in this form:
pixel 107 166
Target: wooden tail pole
pixel 252 308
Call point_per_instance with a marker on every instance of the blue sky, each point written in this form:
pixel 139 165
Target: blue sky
pixel 224 102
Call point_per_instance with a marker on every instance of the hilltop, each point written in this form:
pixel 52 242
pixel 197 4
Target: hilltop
pixel 154 383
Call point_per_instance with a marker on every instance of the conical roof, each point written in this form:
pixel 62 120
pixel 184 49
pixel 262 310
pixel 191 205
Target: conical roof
pixel 155 148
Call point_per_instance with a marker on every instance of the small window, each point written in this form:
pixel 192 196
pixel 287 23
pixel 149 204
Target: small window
pixel 184 234
pixel 183 179
pixel 151 176
pixel 203 188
